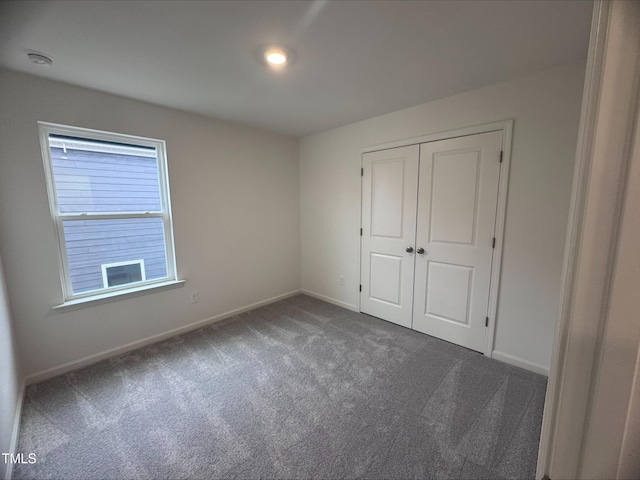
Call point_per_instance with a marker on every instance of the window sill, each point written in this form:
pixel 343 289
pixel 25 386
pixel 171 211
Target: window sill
pixel 119 295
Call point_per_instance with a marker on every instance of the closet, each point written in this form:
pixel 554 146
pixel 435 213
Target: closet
pixel 428 235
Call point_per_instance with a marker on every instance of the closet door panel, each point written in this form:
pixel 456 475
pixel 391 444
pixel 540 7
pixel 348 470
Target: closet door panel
pixel 389 196
pixel 457 198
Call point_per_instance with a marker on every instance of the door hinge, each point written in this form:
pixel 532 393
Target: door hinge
pixel 501 153
pixel 362 172
pixel 494 243
pixel 360 232
pixel 486 322
pixel 360 287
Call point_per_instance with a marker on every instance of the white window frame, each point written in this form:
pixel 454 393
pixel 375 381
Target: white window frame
pixel 46 129
pixel 105 276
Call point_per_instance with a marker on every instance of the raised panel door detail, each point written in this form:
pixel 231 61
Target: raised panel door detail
pixel 386 278
pixel 457 201
pixel 387 189
pixel 449 291
pixel 389 206
pixel 454 195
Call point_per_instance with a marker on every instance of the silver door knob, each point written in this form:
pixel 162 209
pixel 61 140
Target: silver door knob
pixel 420 250
pixel 409 249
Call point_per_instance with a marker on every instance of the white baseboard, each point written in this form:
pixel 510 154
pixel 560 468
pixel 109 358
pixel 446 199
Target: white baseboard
pixel 91 359
pixel 15 433
pixel 519 362
pixel 324 298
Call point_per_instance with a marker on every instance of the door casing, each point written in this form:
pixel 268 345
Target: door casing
pixel 506 127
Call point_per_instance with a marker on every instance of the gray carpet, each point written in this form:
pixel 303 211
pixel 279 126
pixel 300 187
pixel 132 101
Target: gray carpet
pixel 296 389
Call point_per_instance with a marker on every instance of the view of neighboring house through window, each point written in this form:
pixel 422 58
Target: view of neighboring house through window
pixel 110 202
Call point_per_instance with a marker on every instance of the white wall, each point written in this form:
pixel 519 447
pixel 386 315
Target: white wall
pixel 234 192
pixel 9 377
pixel 546 109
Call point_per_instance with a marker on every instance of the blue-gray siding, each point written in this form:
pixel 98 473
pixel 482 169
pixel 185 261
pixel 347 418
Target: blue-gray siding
pixel 101 182
pixel 104 182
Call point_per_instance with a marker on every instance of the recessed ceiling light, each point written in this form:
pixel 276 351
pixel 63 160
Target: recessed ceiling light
pixel 39 59
pixel 276 56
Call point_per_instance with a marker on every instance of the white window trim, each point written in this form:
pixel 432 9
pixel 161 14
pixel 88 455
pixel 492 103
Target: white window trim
pixel 106 296
pixel 46 129
pixel 88 146
pixel 105 266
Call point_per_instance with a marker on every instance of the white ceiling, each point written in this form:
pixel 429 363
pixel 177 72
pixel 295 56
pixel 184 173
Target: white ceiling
pixel 355 59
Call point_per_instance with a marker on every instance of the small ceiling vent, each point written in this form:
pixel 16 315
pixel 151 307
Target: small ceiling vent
pixel 39 59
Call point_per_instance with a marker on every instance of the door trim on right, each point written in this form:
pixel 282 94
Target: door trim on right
pixel 506 126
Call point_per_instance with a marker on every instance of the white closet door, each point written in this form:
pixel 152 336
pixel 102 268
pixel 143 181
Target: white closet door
pixel 458 192
pixel 389 189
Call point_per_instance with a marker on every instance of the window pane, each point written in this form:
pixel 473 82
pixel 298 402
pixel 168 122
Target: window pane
pixel 93 243
pixel 122 274
pixel 93 177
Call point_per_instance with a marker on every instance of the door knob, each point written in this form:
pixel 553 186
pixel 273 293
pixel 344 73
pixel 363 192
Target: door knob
pixel 420 250
pixel 409 249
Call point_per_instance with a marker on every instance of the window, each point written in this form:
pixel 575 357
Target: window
pixel 123 273
pixel 109 198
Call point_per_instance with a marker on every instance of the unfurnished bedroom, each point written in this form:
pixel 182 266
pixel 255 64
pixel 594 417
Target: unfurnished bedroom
pixel 292 240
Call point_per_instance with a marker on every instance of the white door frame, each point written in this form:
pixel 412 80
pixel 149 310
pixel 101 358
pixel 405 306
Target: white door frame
pixel 609 110
pixel 506 126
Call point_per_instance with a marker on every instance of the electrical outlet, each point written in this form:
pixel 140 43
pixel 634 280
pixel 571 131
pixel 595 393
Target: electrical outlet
pixel 341 281
pixel 194 296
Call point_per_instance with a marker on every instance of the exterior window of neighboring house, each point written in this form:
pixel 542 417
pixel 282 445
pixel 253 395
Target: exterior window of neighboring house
pixel 109 199
pixel 122 273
